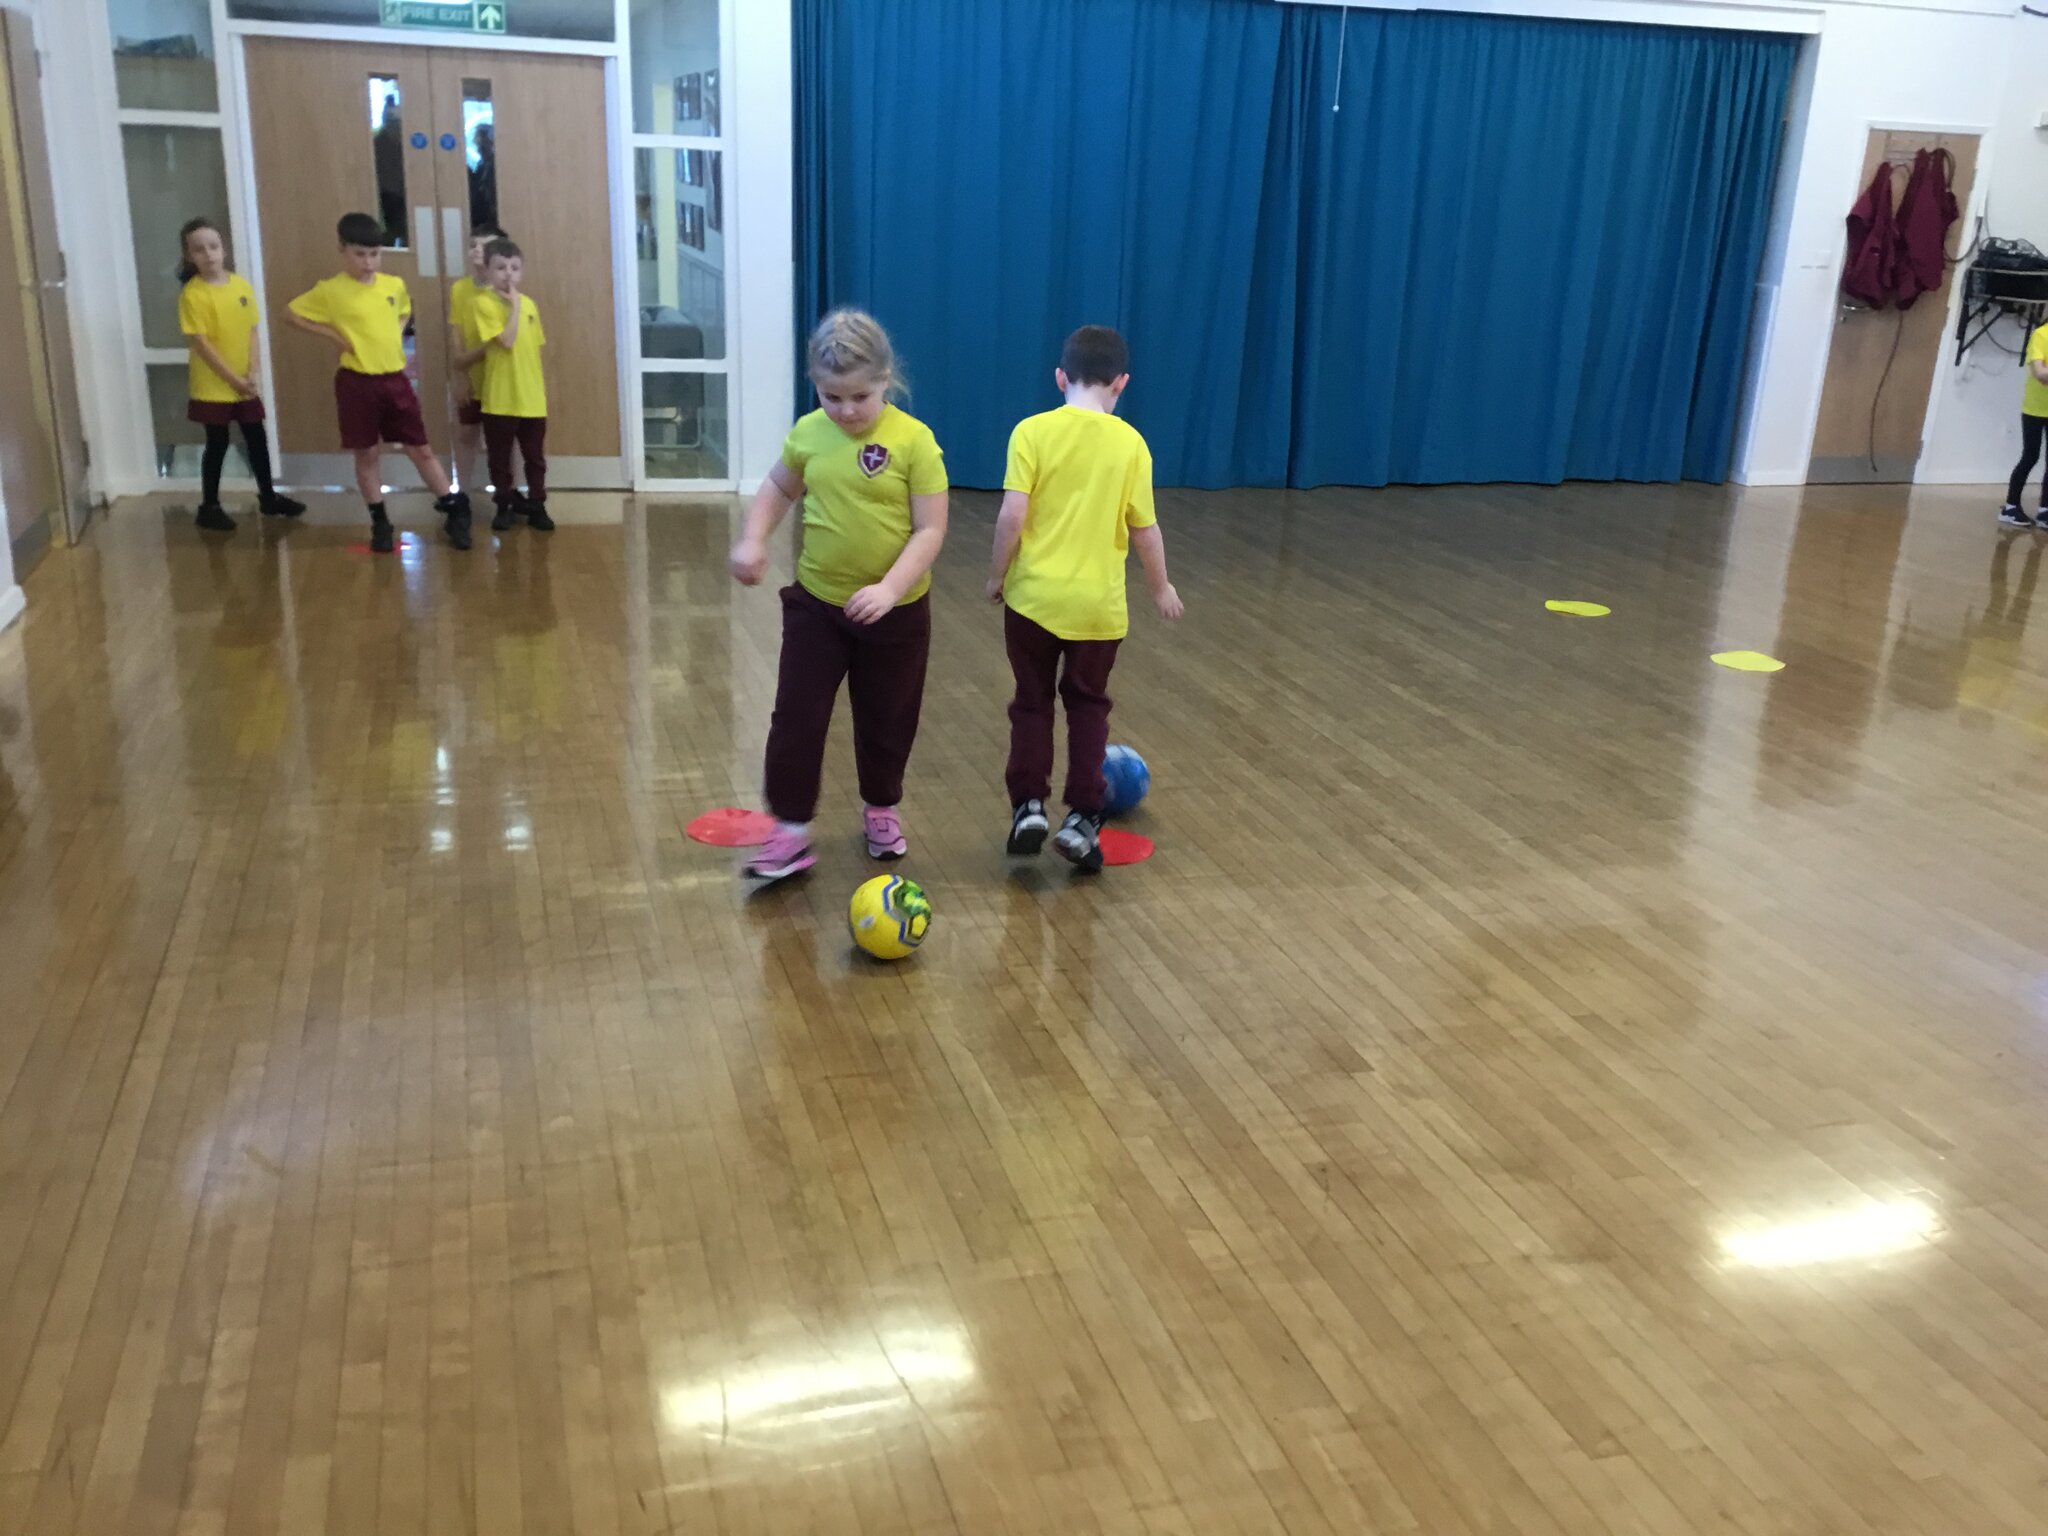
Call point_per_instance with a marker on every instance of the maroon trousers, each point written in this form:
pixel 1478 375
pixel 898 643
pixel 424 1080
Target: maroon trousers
pixel 882 665
pixel 531 434
pixel 1036 654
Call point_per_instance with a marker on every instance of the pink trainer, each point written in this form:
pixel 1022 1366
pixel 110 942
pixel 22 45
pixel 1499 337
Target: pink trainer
pixel 783 855
pixel 885 832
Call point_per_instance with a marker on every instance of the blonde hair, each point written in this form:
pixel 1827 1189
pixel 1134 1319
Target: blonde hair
pixel 850 343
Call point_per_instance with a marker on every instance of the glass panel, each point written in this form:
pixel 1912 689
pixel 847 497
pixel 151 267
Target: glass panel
pixel 681 248
pixel 675 67
pixel 480 145
pixel 174 174
pixel 163 54
pixel 685 425
pixel 580 21
pixel 387 152
pixel 178 441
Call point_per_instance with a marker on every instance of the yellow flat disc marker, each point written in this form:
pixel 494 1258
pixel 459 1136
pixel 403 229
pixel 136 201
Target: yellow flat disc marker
pixel 1577 609
pixel 1748 661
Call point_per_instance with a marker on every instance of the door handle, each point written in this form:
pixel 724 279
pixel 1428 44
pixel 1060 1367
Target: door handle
pixel 423 242
pixel 452 241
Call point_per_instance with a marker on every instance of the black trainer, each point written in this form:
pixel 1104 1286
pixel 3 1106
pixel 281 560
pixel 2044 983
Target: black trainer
pixel 276 504
pixel 1079 841
pixel 213 518
pixel 1028 829
pixel 457 508
pixel 507 516
pixel 2014 516
pixel 381 541
pixel 537 516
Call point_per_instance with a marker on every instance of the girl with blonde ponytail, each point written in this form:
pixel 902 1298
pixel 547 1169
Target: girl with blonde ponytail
pixel 873 485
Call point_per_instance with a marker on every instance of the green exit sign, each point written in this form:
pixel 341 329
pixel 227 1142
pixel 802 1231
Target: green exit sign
pixel 450 15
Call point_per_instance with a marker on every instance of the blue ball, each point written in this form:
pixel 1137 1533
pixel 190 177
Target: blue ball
pixel 1128 779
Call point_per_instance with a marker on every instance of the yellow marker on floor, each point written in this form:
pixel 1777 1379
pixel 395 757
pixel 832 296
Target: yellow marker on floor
pixel 1748 661
pixel 1577 609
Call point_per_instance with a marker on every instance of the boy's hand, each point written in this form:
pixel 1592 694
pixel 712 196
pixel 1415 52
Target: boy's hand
pixel 248 388
pixel 747 562
pixel 1167 601
pixel 870 604
pixel 994 590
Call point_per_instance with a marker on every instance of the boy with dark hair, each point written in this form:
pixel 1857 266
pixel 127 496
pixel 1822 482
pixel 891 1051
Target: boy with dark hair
pixel 363 312
pixel 1078 496
pixel 515 390
pixel 466 354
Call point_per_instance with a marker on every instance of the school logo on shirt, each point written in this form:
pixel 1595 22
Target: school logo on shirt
pixel 874 458
pixel 244 301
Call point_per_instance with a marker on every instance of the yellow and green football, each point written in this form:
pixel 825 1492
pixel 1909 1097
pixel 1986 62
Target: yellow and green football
pixel 889 917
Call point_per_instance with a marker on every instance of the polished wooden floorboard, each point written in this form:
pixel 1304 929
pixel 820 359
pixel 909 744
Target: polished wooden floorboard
pixel 1544 1083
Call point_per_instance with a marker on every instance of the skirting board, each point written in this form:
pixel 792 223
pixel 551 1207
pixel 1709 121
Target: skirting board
pixel 12 605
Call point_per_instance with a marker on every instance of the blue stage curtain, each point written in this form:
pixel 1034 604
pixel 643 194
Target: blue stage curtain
pixel 1522 250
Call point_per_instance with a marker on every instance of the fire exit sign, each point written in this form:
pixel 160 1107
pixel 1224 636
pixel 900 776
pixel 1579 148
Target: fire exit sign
pixel 451 15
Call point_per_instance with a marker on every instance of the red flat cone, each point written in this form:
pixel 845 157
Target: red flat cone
pixel 731 827
pixel 1121 847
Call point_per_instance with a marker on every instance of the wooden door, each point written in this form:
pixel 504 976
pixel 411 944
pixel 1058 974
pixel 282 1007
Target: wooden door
pixel 42 434
pixel 549 184
pixel 1873 404
pixel 318 156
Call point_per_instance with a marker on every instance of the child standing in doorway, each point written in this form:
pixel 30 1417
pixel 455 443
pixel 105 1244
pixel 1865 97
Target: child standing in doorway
pixel 363 312
pixel 2033 428
pixel 467 370
pixel 515 391
pixel 1077 498
pixel 217 316
pixel 873 484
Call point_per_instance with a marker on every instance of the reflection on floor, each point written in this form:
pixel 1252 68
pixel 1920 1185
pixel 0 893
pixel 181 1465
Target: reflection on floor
pixel 1544 1083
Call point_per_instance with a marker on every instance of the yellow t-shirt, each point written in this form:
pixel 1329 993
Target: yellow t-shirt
pixel 513 382
pixel 462 316
pixel 370 316
pixel 225 314
pixel 2035 401
pixel 1089 477
pixel 857 494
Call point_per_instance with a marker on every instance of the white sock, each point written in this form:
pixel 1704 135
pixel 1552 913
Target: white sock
pixel 800 829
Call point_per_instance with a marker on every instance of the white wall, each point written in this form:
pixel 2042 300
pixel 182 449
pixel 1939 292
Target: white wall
pixel 92 223
pixel 762 192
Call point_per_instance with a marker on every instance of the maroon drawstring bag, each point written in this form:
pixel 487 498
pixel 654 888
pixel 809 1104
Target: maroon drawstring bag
pixel 1871 276
pixel 1926 210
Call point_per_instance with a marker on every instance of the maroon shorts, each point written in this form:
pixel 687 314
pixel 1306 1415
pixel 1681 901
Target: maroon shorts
pixel 377 408
pixel 470 413
pixel 224 413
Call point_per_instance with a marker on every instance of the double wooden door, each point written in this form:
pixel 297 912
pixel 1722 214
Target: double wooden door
pixel 432 141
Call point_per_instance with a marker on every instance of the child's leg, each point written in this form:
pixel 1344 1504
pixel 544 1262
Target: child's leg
pixel 500 432
pixel 370 476
pixel 886 689
pixel 256 445
pixel 469 442
pixel 816 652
pixel 429 467
pixel 533 448
pixel 211 460
pixel 1085 691
pixel 1035 667
pixel 2030 450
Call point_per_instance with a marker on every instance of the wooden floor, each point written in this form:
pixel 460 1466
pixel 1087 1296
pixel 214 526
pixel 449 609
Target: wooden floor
pixel 1545 1083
